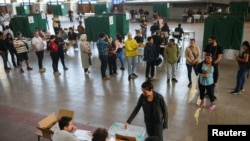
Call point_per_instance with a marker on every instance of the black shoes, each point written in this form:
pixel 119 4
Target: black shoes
pixel 134 75
pixel 122 68
pixel 189 85
pixel 174 80
pixel 129 77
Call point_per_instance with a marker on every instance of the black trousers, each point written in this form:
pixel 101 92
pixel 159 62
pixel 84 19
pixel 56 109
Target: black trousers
pixel 104 64
pixel 61 57
pixel 13 54
pixel 55 60
pixel 210 91
pixel 112 64
pixel 150 66
pixel 155 129
pixel 39 55
pixel 189 70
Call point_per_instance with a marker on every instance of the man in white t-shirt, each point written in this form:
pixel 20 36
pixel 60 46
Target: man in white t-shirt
pixel 66 128
pixel 38 46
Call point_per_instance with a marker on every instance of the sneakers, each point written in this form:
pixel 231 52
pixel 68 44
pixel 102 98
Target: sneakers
pixel 21 70
pixel 154 78
pixel 211 106
pixel 57 73
pixel 29 68
pixel 134 75
pixel 129 77
pixel 42 70
pixel 105 78
pixel 174 80
pixel 202 104
pixel 242 90
pixel 235 92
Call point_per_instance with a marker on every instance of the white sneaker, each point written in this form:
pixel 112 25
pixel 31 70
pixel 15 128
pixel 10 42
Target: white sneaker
pixel 42 70
pixel 57 73
pixel 154 78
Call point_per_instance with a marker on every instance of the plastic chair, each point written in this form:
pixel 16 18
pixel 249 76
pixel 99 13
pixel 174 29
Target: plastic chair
pixel 197 18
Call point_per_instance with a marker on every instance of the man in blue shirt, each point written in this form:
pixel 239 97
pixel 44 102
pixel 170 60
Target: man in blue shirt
pixel 102 47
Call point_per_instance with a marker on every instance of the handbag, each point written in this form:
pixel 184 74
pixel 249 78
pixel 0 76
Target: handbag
pixel 158 61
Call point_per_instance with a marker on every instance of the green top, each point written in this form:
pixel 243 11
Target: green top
pixel 171 54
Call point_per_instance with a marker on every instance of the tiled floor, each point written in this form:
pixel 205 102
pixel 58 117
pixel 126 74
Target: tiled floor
pixel 27 98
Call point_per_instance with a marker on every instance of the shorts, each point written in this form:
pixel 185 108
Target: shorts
pixel 22 56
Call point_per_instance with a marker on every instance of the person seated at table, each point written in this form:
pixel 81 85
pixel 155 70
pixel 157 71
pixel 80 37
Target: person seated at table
pixel 66 128
pixel 199 12
pixel 100 134
pixel 63 33
pixel 178 31
pixel 72 38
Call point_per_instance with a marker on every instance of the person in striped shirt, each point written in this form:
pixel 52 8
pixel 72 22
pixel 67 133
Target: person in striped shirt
pixel 22 52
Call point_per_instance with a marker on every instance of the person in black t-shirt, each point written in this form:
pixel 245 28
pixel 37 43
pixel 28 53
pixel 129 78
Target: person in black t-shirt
pixel 216 50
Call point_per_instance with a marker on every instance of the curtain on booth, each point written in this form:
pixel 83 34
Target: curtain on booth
pixel 98 24
pixel 58 10
pixel 239 7
pixel 227 28
pixel 162 9
pixel 122 22
pixel 100 8
pixel 26 25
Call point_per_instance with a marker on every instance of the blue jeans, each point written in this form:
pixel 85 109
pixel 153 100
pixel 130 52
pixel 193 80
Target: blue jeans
pixel 131 64
pixel 189 70
pixel 121 58
pixel 241 77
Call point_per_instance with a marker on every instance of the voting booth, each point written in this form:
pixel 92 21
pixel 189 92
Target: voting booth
pixel 121 21
pixel 27 24
pixel 95 25
pixel 21 10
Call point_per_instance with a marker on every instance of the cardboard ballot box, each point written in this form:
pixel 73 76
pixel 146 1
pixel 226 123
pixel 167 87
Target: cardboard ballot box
pixel 83 135
pixel 117 130
pixel 49 124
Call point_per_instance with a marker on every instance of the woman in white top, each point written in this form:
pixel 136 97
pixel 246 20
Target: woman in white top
pixel 85 53
pixel 119 44
pixel 192 54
